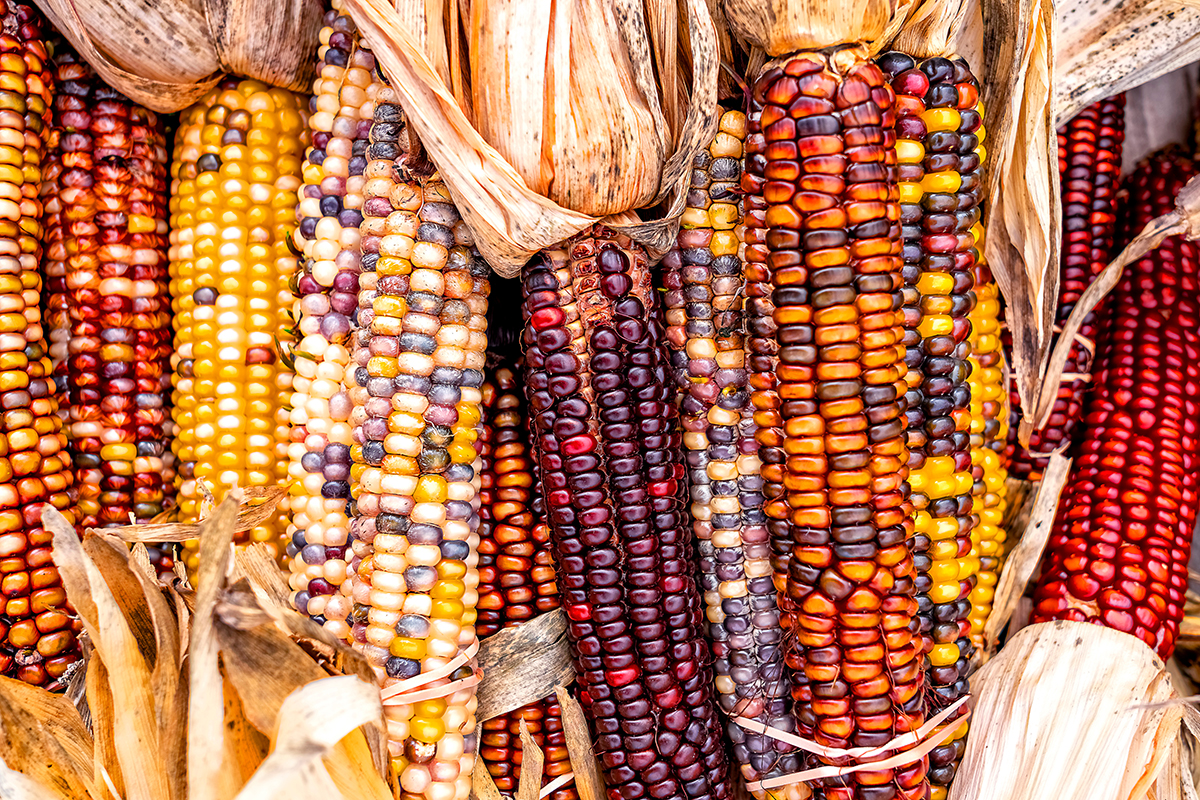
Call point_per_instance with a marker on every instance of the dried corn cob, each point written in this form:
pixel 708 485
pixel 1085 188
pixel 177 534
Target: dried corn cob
pixel 989 437
pixel 329 213
pixel 105 196
pixel 419 361
pixel 940 126
pixel 1118 553
pixel 37 633
pixel 821 171
pixel 516 578
pixel 705 332
pixel 1089 166
pixel 233 194
pixel 612 472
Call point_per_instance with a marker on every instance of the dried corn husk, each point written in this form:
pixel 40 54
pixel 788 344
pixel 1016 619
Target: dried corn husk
pixel 1104 48
pixel 575 112
pixel 167 55
pixel 786 26
pixel 1074 711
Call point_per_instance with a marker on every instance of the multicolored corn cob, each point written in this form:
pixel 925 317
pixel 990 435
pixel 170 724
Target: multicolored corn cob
pixel 940 130
pixel 329 213
pixel 598 384
pixel 1118 553
pixel 516 578
pixel 418 365
pixel 703 281
pixel 822 228
pixel 37 632
pixel 1089 167
pixel 235 175
pixel 989 438
pixel 105 195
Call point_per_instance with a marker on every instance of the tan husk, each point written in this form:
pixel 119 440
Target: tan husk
pixel 1070 710
pixel 567 147
pixel 929 28
pixel 167 55
pixel 1104 48
pixel 781 27
pixel 1022 214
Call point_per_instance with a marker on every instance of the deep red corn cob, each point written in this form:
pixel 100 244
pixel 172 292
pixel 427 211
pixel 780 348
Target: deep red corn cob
pixel 607 437
pixel 1089 166
pixel 37 634
pixel 106 229
pixel 827 368
pixel 516 578
pixel 1119 549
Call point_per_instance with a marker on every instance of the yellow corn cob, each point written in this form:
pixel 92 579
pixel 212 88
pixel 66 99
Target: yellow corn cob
pixel 989 434
pixel 233 196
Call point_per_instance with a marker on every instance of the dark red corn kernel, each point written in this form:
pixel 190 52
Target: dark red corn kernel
pixel 1089 166
pixel 1118 553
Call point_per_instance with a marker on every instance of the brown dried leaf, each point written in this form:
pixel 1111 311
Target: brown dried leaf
pixel 43 739
pixel 510 219
pixel 245 747
pixel 135 729
pixel 588 781
pixel 529 785
pixel 523 664
pixel 1022 562
pixel 206 733
pixel 929 28
pixel 482 785
pixel 104 752
pixel 1023 218
pixel 259 504
pixel 15 786
pixel 168 55
pixel 1104 48
pixel 787 26
pixel 266 667
pixel 314 721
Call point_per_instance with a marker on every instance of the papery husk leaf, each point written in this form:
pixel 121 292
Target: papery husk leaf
pixel 43 739
pixel 103 713
pixel 1104 48
pixel 312 722
pixel 1068 710
pixel 589 783
pixel 1022 217
pixel 135 729
pixel 266 667
pixel 512 221
pixel 928 28
pixel 205 686
pixel 15 786
pixel 167 55
pixel 529 785
pixel 781 27
pixel 114 566
pixel 257 506
pixel 1184 220
pixel 483 787
pixel 245 747
pixel 523 664
pixel 1021 564
pixel 589 136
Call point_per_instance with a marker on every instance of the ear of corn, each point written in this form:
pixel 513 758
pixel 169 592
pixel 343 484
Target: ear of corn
pixel 703 279
pixel 597 381
pixel 516 578
pixel 37 633
pixel 821 172
pixel 329 214
pixel 1118 553
pixel 418 365
pixel 940 130
pixel 989 434
pixel 105 196
pixel 235 175
pixel 1089 166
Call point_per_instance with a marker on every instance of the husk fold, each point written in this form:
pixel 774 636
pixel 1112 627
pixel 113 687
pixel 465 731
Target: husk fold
pixel 558 115
pixel 167 55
